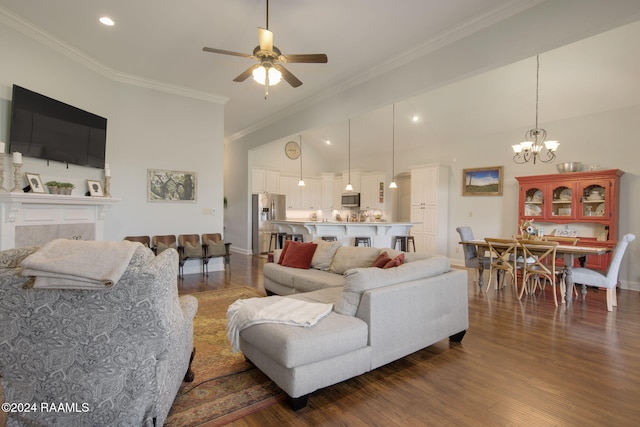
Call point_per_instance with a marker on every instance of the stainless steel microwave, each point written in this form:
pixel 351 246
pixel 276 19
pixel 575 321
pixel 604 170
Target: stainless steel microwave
pixel 350 200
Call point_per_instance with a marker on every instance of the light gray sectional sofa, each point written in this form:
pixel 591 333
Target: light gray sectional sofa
pixel 379 316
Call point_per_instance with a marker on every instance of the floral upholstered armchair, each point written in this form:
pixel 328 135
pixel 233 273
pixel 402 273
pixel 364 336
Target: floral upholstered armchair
pixel 106 357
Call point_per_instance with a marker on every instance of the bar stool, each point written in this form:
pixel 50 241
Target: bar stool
pixel 294 237
pixel 329 238
pixel 273 239
pixel 364 240
pixel 404 242
pixel 277 239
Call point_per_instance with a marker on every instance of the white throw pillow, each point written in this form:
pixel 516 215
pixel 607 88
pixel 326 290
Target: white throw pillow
pixel 359 280
pixel 324 253
pixel 348 257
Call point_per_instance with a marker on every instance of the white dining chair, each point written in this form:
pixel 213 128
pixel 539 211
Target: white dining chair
pixel 587 276
pixel 471 259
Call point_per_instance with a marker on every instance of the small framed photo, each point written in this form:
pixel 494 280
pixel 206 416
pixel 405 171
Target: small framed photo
pixel 95 188
pixel 35 182
pixel 482 181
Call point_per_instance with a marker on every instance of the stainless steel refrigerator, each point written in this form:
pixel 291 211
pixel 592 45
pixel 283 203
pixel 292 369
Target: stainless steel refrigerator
pixel 267 207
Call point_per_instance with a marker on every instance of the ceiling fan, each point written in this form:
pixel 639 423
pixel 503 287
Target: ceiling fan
pixel 269 69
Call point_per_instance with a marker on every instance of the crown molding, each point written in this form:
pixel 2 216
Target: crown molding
pixel 28 29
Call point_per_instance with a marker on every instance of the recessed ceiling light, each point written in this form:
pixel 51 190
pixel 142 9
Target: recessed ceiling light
pixel 328 142
pixel 107 21
pixel 415 118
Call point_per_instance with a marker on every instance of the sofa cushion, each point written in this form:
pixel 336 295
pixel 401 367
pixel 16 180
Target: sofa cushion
pixel 348 257
pixel 301 280
pixel 324 254
pixel 299 255
pixel 293 346
pixel 395 262
pixel 359 280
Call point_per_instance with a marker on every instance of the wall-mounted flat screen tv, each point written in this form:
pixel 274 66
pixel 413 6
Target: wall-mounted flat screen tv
pixel 48 129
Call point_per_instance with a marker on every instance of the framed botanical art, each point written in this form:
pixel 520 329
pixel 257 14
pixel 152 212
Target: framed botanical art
pixel 35 182
pixel 95 188
pixel 482 181
pixel 171 186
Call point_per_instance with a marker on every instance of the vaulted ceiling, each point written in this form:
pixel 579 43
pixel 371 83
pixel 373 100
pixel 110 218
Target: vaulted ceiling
pixel 161 42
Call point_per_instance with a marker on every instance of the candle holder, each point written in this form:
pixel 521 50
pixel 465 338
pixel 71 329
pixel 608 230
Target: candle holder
pixel 17 175
pixel 2 189
pixel 107 186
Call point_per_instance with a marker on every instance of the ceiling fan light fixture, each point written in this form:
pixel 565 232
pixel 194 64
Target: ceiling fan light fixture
pixel 260 75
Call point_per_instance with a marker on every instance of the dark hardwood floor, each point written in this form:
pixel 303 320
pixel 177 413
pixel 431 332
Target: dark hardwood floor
pixel 521 363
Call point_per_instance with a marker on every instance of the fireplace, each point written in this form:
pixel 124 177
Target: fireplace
pixel 28 219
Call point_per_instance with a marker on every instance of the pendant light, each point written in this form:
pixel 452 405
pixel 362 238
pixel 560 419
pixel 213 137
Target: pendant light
pixel 393 149
pixel 535 147
pixel 301 182
pixel 349 187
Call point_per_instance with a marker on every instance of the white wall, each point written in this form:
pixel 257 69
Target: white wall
pixel 147 128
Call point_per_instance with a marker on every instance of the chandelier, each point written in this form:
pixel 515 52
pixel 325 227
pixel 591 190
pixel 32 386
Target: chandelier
pixel 535 147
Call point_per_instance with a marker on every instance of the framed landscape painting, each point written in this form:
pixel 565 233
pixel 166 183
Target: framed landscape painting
pixel 482 181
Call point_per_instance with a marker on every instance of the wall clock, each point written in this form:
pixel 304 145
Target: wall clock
pixel 292 150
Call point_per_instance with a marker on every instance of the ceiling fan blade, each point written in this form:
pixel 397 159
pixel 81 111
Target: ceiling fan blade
pixel 226 52
pixel 286 74
pixel 242 77
pixel 265 37
pixel 308 57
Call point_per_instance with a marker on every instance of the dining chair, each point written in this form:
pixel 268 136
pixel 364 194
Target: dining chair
pixel 471 259
pixel 587 276
pixel 540 263
pixel 561 273
pixel 502 258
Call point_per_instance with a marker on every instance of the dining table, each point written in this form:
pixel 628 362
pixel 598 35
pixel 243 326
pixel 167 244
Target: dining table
pixel 568 252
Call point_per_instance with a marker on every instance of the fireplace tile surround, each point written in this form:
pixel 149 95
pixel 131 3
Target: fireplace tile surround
pixel 28 219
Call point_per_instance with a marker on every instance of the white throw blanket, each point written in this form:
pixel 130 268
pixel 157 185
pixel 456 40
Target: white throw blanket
pixel 79 264
pixel 274 309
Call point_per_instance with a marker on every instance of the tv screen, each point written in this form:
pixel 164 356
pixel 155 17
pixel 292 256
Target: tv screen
pixel 48 129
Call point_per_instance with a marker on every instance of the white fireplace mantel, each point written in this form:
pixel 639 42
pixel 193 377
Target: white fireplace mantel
pixel 40 217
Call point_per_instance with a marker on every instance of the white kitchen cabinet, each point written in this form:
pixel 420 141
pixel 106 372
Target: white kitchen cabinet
pixel 373 191
pixel 429 207
pixel 311 194
pixel 327 186
pixel 402 212
pixel 289 187
pixel 265 181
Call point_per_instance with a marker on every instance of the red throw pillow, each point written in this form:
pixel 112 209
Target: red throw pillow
pixel 299 255
pixel 382 260
pixel 399 260
pixel 284 250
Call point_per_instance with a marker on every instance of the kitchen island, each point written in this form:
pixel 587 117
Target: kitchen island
pixel 380 233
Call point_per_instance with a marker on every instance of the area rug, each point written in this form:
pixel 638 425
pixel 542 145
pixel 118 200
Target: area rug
pixel 226 386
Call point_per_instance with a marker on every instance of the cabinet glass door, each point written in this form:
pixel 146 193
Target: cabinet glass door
pixel 594 201
pixel 562 202
pixel 533 201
